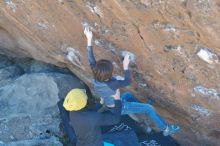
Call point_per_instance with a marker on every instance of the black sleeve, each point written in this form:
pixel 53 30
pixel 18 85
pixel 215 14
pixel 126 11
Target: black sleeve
pixel 111 118
pixel 91 56
pixel 66 119
pixel 121 83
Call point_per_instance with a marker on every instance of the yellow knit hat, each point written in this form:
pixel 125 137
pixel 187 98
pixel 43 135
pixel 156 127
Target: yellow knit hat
pixel 75 100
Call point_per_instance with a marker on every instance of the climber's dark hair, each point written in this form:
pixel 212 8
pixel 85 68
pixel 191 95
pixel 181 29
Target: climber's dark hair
pixel 103 70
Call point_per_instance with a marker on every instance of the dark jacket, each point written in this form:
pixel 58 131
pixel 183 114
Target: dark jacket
pixel 106 89
pixel 87 124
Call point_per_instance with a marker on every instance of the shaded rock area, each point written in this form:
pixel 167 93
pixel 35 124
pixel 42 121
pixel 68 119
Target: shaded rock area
pixel 29 91
pixel 174 46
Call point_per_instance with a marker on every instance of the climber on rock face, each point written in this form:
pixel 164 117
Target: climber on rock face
pixel 87 123
pixel 105 86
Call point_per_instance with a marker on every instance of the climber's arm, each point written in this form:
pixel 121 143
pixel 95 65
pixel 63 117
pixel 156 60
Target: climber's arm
pixel 91 56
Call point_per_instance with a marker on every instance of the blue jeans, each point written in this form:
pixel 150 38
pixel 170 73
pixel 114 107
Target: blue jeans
pixel 131 105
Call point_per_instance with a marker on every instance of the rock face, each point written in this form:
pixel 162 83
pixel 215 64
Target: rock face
pixel 174 46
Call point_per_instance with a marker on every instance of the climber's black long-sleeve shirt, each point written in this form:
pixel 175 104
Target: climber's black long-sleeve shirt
pixel 87 124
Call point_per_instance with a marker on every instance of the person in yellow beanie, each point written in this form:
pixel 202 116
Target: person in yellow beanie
pixel 65 114
pixel 87 123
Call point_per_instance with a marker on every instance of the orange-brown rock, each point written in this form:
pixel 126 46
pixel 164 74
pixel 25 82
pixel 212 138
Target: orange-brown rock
pixel 175 43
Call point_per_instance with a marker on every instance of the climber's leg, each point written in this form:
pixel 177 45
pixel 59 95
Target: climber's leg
pixel 130 105
pixel 134 108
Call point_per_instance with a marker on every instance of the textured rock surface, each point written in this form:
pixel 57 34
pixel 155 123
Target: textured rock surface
pixel 165 37
pixel 35 142
pixel 29 91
